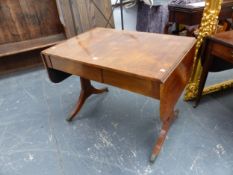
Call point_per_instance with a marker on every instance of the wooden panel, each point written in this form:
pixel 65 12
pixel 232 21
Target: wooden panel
pixel 32 24
pixel 222 45
pixel 28 19
pixel 23 46
pixel 223 52
pixel 20 61
pixel 74 68
pixel 175 83
pixel 226 38
pixel 106 8
pixel 134 84
pixel 66 17
pixel 87 15
pixel 80 15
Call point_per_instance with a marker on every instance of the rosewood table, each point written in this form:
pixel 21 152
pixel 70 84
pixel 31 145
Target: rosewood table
pixel 153 65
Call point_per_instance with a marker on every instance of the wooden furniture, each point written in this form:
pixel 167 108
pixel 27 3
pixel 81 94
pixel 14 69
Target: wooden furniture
pixel 30 25
pixel 191 15
pixel 26 27
pixel 153 65
pixel 218 46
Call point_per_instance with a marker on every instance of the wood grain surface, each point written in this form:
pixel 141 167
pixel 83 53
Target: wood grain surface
pixel 153 65
pixel 151 56
pixel 28 19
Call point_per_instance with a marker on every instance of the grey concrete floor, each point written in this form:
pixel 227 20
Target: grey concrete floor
pixel 113 134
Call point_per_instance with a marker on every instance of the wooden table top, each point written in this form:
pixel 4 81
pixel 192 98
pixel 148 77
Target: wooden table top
pixel 144 55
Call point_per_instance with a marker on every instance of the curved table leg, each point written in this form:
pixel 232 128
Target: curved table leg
pixel 162 136
pixel 86 90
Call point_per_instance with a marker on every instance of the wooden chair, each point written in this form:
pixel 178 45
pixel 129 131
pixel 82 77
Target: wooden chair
pixel 216 55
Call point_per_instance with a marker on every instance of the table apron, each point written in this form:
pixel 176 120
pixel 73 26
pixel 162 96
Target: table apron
pixel 147 87
pixel 139 85
pixel 222 51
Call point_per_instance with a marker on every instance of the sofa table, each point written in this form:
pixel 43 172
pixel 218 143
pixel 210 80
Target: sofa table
pixel 153 65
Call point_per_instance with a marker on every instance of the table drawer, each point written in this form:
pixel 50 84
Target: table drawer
pixel 76 68
pixel 135 84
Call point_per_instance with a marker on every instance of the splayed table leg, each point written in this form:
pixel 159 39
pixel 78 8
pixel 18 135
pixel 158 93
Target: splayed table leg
pixel 162 136
pixel 86 90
